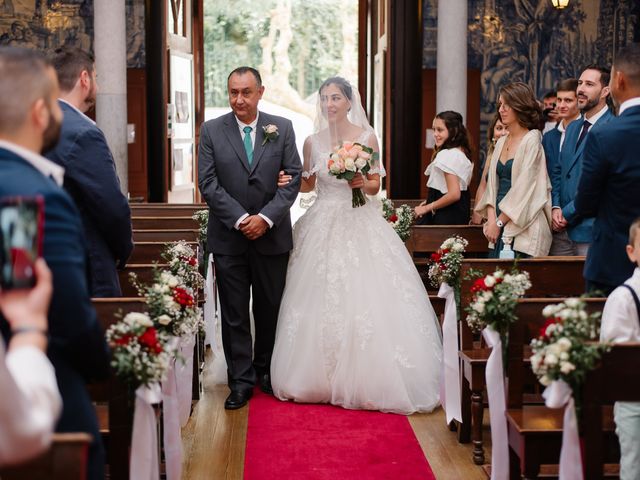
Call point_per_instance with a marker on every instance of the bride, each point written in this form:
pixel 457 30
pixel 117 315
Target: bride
pixel 356 327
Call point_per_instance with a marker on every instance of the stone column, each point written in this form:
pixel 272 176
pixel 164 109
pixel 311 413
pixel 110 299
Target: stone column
pixel 451 86
pixel 110 47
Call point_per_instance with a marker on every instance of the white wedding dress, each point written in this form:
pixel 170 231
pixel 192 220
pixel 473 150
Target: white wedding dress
pixel 356 327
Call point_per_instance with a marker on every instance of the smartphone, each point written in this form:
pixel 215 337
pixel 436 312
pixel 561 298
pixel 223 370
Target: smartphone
pixel 21 227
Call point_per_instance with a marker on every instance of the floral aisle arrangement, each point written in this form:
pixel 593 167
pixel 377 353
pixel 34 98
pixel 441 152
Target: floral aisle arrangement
pixel 140 352
pixel 567 347
pixel 202 217
pixel 171 304
pixel 348 159
pixel 444 265
pixel 183 263
pixel 400 218
pixel 494 300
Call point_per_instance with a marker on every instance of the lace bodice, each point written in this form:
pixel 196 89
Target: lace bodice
pixel 328 187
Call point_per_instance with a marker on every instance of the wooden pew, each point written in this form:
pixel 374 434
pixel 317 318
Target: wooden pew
pixel 168 209
pixel 535 431
pixel 550 276
pixel 149 252
pixel 144 272
pixel 616 378
pixel 114 398
pixel 164 222
pixel 66 459
pixel 412 202
pixel 162 235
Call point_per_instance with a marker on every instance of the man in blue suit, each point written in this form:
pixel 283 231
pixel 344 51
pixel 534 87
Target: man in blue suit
pixel 90 174
pixel 30 122
pixel 552 141
pixel 575 232
pixel 608 188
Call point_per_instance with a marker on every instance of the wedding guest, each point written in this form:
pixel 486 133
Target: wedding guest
pixel 496 130
pixel 517 201
pixel 549 112
pixel 31 401
pixel 608 188
pixel 30 119
pixel 448 200
pixel 90 174
pixel 575 232
pixel 620 324
pixel 568 111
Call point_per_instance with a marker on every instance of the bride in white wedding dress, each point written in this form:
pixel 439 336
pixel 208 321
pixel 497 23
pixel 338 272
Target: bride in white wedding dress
pixel 356 327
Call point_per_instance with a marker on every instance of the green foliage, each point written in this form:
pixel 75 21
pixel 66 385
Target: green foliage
pixel 232 33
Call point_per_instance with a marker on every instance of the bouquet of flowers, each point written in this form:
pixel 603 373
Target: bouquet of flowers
pixel 445 263
pixel 183 264
pixel 565 349
pixel 400 218
pixel 171 304
pixel 139 351
pixel 348 159
pixel 202 217
pixel 494 300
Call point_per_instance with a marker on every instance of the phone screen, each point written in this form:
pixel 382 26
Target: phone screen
pixel 21 222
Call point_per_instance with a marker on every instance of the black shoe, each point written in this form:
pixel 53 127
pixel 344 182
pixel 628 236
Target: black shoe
pixel 265 384
pixel 237 399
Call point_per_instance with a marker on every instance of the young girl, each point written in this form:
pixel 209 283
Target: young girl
pixel 448 201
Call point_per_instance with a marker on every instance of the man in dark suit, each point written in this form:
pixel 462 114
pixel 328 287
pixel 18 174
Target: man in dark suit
pixel 90 174
pixel 249 233
pixel 552 141
pixel 30 122
pixel 608 188
pixel 575 232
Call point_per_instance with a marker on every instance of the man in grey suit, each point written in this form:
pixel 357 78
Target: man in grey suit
pixel 249 233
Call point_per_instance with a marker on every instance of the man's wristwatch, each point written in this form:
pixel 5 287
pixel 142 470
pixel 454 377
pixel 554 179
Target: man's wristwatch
pixel 499 223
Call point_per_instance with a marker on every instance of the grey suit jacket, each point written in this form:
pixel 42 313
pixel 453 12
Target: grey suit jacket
pixel 232 188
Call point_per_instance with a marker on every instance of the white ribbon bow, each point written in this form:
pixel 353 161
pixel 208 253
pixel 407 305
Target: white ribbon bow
pixel 171 416
pixel 450 386
pixel 497 404
pixel 144 463
pixel 184 378
pixel 209 306
pixel 558 395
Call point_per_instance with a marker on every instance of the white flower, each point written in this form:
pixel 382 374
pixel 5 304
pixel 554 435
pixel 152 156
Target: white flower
pixel 349 164
pixel 550 359
pixel 141 319
pixel 334 168
pixel 164 319
pixel 270 129
pixel 572 302
pixel 498 274
pixel 545 380
pixel 360 163
pixel 550 310
pixel 489 281
pixel 457 247
pixel 478 307
pixel 564 356
pixel 564 344
pixel 536 360
pixel 567 367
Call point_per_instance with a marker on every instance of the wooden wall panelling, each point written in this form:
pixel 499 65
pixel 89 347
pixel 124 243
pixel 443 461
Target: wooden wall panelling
pixel 137 115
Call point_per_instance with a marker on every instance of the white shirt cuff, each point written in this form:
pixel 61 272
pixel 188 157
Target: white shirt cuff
pixel 239 221
pixel 266 219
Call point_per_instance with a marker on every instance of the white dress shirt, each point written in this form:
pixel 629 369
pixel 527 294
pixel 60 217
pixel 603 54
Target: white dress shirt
pixel 594 118
pixel 30 404
pixel 632 102
pixel 253 126
pixel 620 316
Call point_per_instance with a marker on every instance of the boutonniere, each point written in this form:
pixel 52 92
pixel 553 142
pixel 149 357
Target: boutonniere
pixel 270 133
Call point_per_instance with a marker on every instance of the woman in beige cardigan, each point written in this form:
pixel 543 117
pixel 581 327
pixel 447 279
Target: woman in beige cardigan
pixel 517 200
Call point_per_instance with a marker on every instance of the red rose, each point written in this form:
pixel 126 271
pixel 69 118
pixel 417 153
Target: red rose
pixel 550 321
pixel 435 257
pixel 445 251
pixel 149 338
pixel 123 340
pixel 193 262
pixel 182 297
pixel 479 286
pixel 393 218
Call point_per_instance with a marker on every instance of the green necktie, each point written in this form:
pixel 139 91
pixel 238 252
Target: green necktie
pixel 248 146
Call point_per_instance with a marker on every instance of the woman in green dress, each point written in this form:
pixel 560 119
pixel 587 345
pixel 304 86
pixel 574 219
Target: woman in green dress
pixel 517 200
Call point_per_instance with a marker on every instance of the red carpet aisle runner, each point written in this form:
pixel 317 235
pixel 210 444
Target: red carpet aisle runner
pixel 286 440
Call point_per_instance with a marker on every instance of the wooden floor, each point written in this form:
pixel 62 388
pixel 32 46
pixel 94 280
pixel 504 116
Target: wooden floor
pixel 214 441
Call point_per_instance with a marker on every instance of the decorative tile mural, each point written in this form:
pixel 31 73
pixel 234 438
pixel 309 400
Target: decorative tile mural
pixel 532 42
pixel 50 24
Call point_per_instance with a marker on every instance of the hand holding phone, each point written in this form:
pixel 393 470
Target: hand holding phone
pixel 21 222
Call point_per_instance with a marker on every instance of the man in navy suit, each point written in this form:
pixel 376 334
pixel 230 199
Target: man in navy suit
pixel 90 174
pixel 249 233
pixel 575 232
pixel 608 188
pixel 552 141
pixel 30 122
